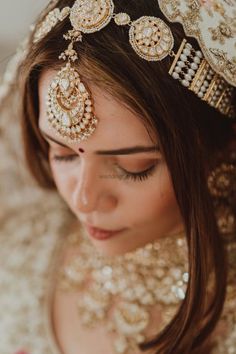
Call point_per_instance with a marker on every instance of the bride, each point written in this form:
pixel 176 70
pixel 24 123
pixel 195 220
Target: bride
pixel 127 123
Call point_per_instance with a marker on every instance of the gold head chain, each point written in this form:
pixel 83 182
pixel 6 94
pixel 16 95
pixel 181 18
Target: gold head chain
pixel 70 105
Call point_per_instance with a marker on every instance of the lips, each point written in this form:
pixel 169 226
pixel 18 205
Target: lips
pixel 101 234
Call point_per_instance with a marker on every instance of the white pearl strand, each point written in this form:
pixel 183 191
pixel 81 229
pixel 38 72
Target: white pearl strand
pixel 184 62
pixel 187 67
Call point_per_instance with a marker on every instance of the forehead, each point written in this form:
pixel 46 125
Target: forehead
pixel 117 125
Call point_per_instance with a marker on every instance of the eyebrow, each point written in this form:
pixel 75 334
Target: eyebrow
pixel 123 151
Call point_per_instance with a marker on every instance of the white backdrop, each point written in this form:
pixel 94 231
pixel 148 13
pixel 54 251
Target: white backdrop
pixel 15 19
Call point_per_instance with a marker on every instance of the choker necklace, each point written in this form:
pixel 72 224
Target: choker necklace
pixel 121 291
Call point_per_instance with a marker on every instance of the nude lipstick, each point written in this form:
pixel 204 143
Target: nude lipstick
pixel 101 234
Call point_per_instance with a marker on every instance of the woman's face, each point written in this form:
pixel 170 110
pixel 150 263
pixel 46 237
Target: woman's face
pixel 111 191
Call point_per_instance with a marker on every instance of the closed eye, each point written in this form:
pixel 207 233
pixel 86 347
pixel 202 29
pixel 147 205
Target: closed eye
pixel 64 158
pixel 136 176
pixel 122 173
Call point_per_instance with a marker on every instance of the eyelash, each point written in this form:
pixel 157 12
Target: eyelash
pixel 65 158
pixel 138 176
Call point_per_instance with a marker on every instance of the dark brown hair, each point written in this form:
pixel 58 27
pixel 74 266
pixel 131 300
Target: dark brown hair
pixel 190 133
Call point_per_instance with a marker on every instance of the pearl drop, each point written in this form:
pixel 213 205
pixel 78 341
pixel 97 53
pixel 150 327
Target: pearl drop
pixel 209 77
pixel 180 64
pixel 194 66
pixel 188 45
pixel 187 51
pixel 197 60
pixel 183 57
pixel 185 83
pixel 178 69
pixel 188 77
pixel 200 94
pixel 191 72
pixel 203 89
pixel 199 54
pixel 175 75
pixel 205 83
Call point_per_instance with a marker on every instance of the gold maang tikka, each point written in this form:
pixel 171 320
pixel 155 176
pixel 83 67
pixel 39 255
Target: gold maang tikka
pixel 70 105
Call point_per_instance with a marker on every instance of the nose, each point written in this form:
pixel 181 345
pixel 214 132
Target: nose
pixel 91 192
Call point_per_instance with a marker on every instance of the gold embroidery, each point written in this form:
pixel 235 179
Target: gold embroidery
pixel 192 13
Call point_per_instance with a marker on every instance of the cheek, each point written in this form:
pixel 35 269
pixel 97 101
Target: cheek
pixel 156 202
pixel 64 180
pixel 163 196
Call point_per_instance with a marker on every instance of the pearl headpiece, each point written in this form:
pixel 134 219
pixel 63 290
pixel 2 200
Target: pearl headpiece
pixel 70 105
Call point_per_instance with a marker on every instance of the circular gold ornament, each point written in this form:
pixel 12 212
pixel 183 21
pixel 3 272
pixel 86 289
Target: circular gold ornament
pixel 89 16
pixel 221 181
pixel 70 107
pixel 151 38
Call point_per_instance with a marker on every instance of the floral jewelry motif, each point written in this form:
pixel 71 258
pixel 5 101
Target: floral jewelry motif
pixel 90 16
pixel 70 106
pixel 151 38
pixel 221 32
pixel 222 181
pixel 223 62
pixel 52 19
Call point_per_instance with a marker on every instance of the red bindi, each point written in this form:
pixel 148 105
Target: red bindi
pixel 81 150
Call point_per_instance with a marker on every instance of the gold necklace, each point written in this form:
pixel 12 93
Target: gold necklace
pixel 121 291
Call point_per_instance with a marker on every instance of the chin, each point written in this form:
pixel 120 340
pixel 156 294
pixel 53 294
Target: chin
pixel 109 249
pixel 117 246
